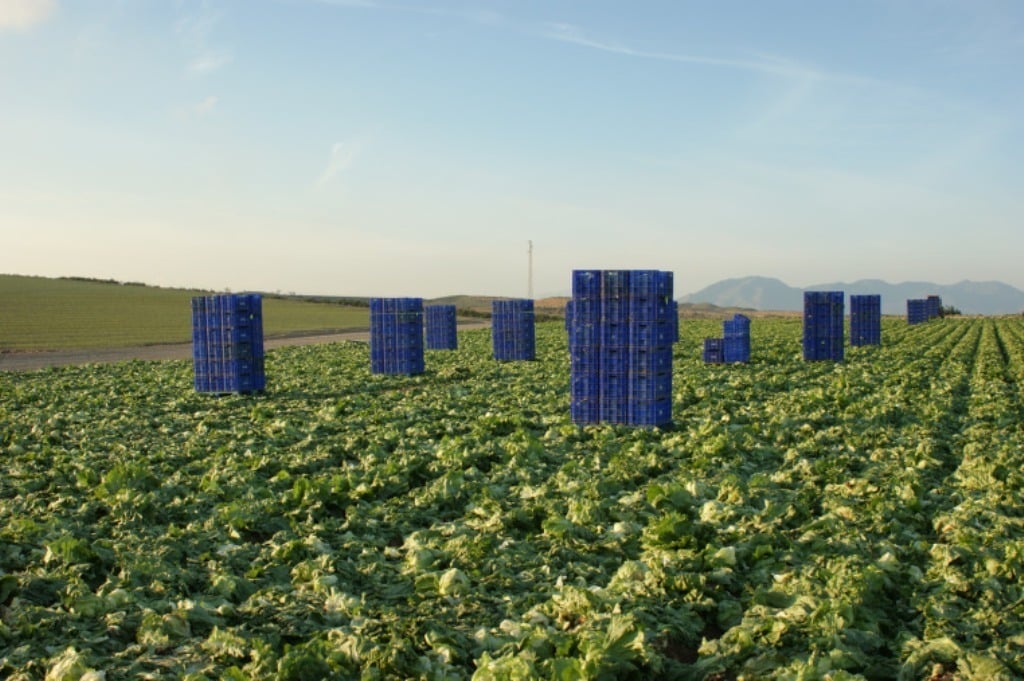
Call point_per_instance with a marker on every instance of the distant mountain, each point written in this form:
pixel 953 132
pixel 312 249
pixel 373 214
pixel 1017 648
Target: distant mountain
pixel 765 293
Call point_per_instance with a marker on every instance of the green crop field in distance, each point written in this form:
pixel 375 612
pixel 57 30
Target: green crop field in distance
pixel 38 313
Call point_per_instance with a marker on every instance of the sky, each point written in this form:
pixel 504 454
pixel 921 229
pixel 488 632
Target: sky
pixel 415 148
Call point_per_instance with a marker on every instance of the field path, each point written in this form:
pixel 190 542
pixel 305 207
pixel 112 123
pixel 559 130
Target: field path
pixel 30 361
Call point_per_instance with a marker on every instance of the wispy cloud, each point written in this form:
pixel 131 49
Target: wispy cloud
pixel 570 33
pixel 206 106
pixel 21 15
pixel 196 30
pixel 343 154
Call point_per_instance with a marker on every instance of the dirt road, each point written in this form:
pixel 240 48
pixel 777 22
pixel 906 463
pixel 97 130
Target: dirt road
pixel 29 361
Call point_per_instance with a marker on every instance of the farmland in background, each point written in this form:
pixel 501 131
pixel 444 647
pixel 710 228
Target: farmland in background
pixel 37 313
pixel 859 520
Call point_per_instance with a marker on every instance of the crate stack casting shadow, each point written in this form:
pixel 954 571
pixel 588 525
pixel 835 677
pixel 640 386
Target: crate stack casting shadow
pixel 621 332
pixel 512 330
pixel 441 327
pixel 823 325
pixel 396 335
pixel 227 343
pixel 866 320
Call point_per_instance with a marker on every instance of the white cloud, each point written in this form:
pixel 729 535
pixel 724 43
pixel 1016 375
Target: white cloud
pixel 209 62
pixel 23 14
pixel 341 159
pixel 205 106
pixel 195 31
pixel 570 33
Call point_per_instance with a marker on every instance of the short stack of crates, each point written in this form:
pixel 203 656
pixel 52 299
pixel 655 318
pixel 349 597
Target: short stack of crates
pixel 736 339
pixel 620 344
pixel 396 336
pixel 866 320
pixel 714 350
pixel 227 343
pixel 917 311
pixel 512 330
pixel 441 328
pixel 920 310
pixel 823 325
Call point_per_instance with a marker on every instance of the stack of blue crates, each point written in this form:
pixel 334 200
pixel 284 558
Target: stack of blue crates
pixel 621 332
pixel 512 330
pixel 917 311
pixel 920 310
pixel 227 343
pixel 674 321
pixel 866 320
pixel 396 335
pixel 441 327
pixel 736 339
pixel 823 325
pixel 714 350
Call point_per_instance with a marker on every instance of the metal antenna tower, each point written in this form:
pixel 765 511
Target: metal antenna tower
pixel 529 285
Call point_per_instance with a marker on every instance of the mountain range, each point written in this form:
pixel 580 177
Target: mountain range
pixel 767 293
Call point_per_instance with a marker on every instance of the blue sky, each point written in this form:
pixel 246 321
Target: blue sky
pixel 370 147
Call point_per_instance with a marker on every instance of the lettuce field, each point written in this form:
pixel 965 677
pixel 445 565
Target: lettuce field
pixel 859 520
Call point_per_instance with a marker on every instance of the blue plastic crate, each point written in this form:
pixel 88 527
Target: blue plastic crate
pixel 586 284
pixel 650 360
pixel 650 284
pixel 581 334
pixel 713 350
pixel 585 386
pixel 585 359
pixel 584 412
pixel 649 310
pixel 615 311
pixel 736 350
pixel 615 334
pixel 615 284
pixel 615 359
pixel 651 334
pixel 614 411
pixel 655 413
pixel 649 387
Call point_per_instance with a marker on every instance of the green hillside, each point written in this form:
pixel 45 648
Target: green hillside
pixel 38 313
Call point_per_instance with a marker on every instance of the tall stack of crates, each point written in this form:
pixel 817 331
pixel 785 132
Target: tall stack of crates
pixel 934 304
pixel 917 311
pixel 227 343
pixel 512 330
pixel 736 339
pixel 396 335
pixel 441 327
pixel 823 325
pixel 620 344
pixel 866 320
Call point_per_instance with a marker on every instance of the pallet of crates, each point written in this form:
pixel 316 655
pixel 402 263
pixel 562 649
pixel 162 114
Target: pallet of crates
pixel 823 332
pixel 865 320
pixel 934 305
pixel 652 332
pixel 227 343
pixel 440 321
pixel 396 336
